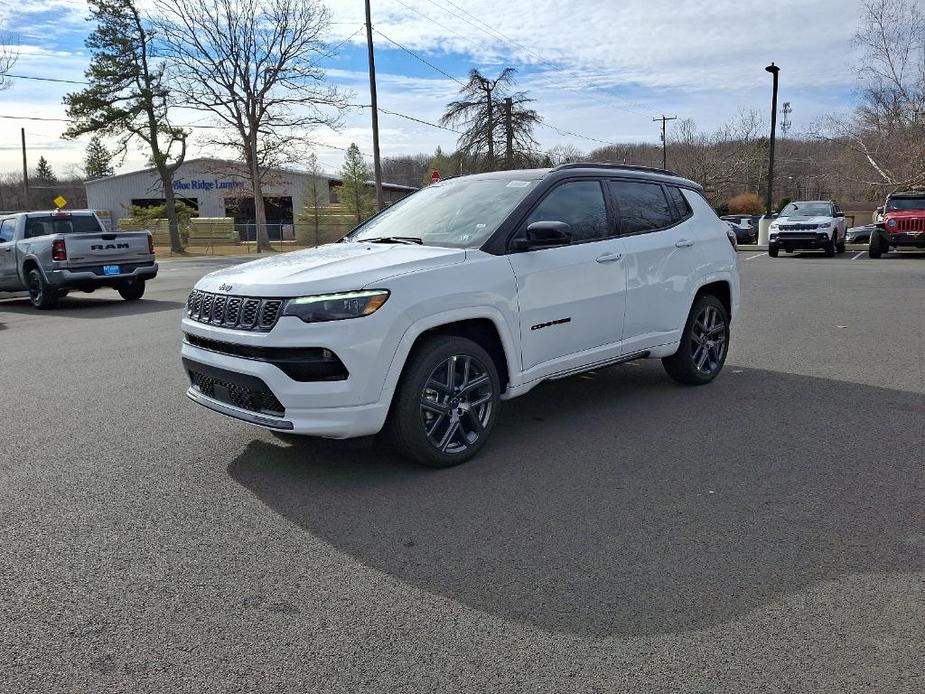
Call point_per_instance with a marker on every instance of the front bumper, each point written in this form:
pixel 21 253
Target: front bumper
pixel 909 239
pixel 353 406
pixel 800 240
pixel 94 277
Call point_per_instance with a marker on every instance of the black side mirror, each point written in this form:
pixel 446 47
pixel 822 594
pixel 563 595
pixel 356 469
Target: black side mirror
pixel 839 214
pixel 544 235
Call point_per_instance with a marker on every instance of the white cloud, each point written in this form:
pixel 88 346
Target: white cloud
pixel 602 68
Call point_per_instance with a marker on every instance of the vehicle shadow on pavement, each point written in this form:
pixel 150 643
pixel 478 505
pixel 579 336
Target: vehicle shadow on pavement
pixel 621 504
pixel 80 307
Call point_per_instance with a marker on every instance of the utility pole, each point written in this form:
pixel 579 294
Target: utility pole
pixel 785 118
pixel 25 172
pixel 509 132
pixel 374 104
pixel 664 119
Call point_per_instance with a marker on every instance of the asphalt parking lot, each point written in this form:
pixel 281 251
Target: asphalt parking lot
pixel 619 534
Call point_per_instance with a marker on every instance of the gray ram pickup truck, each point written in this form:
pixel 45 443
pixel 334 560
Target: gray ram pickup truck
pixel 49 254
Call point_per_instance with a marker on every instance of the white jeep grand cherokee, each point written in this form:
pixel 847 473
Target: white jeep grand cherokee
pixel 469 292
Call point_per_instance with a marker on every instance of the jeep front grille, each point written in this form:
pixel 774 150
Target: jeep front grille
pixel 910 224
pixel 238 312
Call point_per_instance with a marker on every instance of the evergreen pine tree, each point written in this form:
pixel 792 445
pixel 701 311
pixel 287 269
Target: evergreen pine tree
pixel 98 160
pixel 356 194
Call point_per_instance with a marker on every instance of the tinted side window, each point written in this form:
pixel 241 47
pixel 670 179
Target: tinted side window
pixel 6 229
pixel 580 204
pixel 681 207
pixel 643 206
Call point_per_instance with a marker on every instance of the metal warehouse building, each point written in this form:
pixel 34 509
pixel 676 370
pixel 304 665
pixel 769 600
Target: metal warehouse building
pixel 217 188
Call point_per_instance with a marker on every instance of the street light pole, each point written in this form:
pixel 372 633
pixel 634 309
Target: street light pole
pixel 774 70
pixel 374 107
pixel 764 225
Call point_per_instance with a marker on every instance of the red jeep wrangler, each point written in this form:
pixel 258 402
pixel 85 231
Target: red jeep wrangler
pixel 903 224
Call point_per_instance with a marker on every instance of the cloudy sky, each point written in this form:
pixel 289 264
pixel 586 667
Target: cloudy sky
pixel 601 69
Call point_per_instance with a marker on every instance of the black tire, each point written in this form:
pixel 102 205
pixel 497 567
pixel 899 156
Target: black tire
pixel 830 247
pixel 41 295
pixel 773 251
pixel 431 421
pixel 840 245
pixel 132 291
pixel 690 365
pixel 875 247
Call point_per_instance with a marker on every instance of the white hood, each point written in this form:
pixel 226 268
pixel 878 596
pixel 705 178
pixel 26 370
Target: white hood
pixel 336 267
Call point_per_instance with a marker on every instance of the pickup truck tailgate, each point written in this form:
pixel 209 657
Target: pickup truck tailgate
pixel 94 248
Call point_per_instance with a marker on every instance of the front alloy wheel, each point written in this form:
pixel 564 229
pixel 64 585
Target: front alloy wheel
pixel 456 403
pixel 447 402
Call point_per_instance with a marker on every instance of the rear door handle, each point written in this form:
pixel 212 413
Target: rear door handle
pixel 609 257
pixel 684 243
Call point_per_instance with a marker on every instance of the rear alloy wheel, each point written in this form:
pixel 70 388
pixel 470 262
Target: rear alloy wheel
pixel 41 295
pixel 132 291
pixel 704 344
pixel 447 402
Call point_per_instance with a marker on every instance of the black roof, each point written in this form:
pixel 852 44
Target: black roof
pixel 646 172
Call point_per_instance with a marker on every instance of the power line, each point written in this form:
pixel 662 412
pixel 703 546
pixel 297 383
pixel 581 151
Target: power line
pixel 495 33
pixel 45 79
pixel 415 55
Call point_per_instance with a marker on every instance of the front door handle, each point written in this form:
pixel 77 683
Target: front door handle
pixel 609 257
pixel 684 243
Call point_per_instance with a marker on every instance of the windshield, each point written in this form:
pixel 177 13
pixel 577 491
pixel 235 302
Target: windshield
pixel 460 213
pixel 807 209
pixel 61 224
pixel 905 204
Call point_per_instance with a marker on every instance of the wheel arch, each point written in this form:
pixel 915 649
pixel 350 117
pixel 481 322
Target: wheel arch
pixel 486 327
pixel 720 288
pixel 28 263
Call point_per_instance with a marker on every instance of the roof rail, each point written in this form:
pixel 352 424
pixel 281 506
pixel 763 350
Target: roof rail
pixel 611 165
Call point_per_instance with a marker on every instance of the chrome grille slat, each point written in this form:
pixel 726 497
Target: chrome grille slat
pixel 239 312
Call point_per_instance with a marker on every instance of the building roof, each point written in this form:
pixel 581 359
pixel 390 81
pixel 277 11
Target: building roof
pixel 197 160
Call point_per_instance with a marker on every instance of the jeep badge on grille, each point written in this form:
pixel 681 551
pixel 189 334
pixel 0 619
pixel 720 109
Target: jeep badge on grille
pixel 225 288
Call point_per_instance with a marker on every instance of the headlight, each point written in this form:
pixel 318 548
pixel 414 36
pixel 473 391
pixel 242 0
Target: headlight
pixel 891 224
pixel 326 307
pixel 824 225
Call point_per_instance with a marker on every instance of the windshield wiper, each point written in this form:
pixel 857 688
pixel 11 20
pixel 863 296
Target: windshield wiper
pixel 410 240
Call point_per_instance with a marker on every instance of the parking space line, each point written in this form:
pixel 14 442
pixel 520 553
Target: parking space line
pixel 760 255
pixel 859 255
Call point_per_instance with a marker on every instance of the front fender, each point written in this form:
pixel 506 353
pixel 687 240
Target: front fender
pixel 422 325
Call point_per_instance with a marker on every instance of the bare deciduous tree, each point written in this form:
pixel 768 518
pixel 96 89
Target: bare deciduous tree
pixel 9 52
pixel 253 64
pixel 884 139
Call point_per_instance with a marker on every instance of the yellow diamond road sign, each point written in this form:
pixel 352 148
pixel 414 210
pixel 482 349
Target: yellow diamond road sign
pixel 59 201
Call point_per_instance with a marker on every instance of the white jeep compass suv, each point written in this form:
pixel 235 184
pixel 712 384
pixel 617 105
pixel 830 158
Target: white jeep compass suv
pixel 468 292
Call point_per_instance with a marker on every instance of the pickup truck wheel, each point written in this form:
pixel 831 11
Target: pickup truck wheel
pixel 132 291
pixel 447 402
pixel 41 295
pixel 704 344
